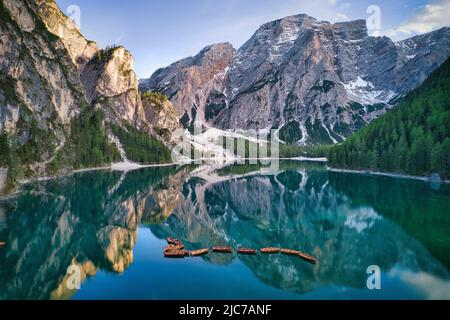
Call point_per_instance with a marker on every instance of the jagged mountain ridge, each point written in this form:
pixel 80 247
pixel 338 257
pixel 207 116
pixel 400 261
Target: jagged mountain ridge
pixel 189 82
pixel 321 81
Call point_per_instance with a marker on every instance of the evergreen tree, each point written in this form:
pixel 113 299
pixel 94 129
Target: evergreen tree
pixel 413 138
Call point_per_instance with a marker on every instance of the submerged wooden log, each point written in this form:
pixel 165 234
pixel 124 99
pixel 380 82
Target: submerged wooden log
pixel 247 251
pixel 174 247
pixel 200 252
pixel 270 250
pixel 180 254
pixel 290 252
pixel 222 249
pixel 173 241
pixel 307 258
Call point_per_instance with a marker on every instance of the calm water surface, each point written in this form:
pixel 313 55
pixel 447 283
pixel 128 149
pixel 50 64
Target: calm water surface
pixel 111 226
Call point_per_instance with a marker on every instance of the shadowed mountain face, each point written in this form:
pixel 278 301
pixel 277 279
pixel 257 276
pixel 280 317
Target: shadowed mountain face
pixel 91 221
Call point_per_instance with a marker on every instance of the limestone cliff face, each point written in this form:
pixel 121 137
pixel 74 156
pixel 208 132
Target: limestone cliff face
pixel 79 49
pixel 322 81
pixel 109 80
pixel 161 113
pixel 189 82
pixel 39 85
pixel 50 74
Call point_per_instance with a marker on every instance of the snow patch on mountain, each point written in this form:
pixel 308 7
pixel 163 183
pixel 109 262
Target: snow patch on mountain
pixel 364 92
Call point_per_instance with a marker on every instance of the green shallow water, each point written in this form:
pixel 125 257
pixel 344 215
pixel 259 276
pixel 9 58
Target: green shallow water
pixel 111 226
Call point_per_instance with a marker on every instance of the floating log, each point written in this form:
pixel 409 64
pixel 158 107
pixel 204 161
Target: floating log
pixel 220 249
pixel 173 241
pixel 307 258
pixel 270 250
pixel 174 247
pixel 247 251
pixel 200 252
pixel 175 254
pixel 290 252
pixel 2 244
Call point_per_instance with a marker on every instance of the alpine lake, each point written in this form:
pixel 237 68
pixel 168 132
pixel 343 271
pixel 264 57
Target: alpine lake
pixel 109 229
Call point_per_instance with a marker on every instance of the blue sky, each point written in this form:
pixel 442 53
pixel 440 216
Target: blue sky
pixel 159 32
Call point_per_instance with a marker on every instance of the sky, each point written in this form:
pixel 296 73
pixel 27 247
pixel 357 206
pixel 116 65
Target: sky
pixel 160 32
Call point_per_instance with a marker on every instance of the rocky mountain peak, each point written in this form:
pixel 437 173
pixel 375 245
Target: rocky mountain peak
pixel 189 82
pixel 80 49
pixel 109 73
pixel 109 76
pixel 317 80
pixel 215 52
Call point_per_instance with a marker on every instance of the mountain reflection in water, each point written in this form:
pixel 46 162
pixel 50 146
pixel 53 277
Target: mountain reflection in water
pixel 349 222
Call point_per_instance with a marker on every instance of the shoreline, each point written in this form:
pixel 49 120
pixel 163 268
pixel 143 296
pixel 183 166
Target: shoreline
pixel 386 174
pixel 130 166
pixel 119 166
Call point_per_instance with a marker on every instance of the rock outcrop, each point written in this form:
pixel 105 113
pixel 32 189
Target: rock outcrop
pixel 79 49
pixel 161 113
pixel 50 78
pixel 189 82
pixel 109 80
pixel 40 90
pixel 319 80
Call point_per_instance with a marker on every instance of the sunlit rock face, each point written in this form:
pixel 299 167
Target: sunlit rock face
pixel 50 73
pixel 110 81
pixel 190 82
pixel 162 115
pixel 39 83
pixel 79 49
pixel 320 79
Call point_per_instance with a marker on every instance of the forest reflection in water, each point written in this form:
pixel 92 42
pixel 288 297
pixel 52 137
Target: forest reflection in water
pixel 349 222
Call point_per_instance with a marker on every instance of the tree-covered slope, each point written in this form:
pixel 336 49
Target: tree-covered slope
pixel 414 138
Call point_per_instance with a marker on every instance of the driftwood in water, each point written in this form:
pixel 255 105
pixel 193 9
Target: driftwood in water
pixel 222 249
pixel 174 247
pixel 175 254
pixel 308 258
pixel 247 251
pixel 270 250
pixel 290 252
pixel 200 252
pixel 173 241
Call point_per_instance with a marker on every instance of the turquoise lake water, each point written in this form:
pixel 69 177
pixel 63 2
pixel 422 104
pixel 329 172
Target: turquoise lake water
pixel 112 226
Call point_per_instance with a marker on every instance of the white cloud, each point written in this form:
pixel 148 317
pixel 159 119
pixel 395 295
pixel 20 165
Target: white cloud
pixel 333 2
pixel 427 18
